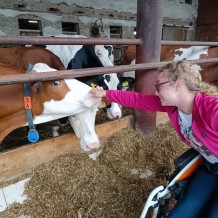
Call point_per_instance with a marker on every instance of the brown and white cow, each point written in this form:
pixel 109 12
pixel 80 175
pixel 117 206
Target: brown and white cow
pixel 51 100
pixel 85 56
pixel 21 57
pixel 176 53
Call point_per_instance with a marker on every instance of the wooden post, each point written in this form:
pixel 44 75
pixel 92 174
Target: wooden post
pixel 149 30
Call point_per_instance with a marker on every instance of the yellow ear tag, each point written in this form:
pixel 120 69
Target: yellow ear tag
pixel 102 105
pixel 125 84
pixel 93 85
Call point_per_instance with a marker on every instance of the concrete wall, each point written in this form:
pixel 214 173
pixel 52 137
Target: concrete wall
pixel 86 12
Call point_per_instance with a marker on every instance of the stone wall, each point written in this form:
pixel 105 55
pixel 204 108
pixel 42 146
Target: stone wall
pixel 121 13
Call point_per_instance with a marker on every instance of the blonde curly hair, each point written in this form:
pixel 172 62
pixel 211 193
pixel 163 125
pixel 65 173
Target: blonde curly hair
pixel 185 71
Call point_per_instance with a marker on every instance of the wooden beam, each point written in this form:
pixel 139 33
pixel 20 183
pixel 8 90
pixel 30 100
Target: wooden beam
pixel 21 160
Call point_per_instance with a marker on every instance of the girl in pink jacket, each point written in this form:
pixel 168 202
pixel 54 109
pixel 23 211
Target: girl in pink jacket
pixel 192 107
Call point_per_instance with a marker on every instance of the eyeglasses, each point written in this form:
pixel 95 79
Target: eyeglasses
pixel 158 85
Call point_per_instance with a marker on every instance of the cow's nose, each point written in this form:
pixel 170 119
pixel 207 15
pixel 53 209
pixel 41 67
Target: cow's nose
pixel 92 146
pixel 113 114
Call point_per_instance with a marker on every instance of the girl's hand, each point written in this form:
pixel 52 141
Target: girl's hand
pixel 98 92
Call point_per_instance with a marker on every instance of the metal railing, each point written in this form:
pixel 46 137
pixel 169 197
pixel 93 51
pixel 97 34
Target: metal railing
pixel 63 74
pixel 40 40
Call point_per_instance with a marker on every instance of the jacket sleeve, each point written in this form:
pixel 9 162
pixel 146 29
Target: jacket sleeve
pixel 214 117
pixel 135 100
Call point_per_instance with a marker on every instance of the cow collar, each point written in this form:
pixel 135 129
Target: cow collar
pixel 33 135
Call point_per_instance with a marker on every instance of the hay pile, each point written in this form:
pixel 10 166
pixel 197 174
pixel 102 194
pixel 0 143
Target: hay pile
pixel 114 185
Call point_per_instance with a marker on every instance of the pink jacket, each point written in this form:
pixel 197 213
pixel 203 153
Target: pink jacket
pixel 204 114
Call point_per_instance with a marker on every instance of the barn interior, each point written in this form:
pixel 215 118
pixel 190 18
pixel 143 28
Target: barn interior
pixel 53 178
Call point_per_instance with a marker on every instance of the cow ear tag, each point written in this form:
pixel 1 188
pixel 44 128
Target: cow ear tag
pixel 125 84
pixel 93 85
pixel 102 105
pixel 33 135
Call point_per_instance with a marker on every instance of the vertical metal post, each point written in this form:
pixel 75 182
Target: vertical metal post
pixel 149 30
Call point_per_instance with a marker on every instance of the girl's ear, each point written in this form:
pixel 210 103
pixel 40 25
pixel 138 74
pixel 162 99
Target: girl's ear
pixel 178 84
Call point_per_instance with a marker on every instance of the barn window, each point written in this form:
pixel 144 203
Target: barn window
pixel 188 2
pixel 53 10
pixel 115 31
pixel 29 27
pixel 20 6
pixel 176 33
pixel 185 1
pixel 70 28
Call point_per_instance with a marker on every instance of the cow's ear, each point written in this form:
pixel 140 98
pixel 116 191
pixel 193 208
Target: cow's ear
pixel 92 82
pixel 127 81
pixel 37 87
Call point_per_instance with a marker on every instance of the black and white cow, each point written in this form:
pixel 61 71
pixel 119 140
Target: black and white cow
pixel 90 56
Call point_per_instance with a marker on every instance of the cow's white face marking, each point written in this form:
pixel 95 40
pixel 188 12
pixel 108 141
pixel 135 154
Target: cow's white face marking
pixel 113 83
pixel 77 100
pixel 114 111
pixel 103 55
pixel 191 53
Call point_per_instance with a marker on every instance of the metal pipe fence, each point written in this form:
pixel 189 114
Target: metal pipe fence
pixel 40 40
pixel 64 74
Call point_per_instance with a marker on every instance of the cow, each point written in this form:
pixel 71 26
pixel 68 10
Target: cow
pixel 175 53
pixel 89 56
pixel 22 56
pixel 208 70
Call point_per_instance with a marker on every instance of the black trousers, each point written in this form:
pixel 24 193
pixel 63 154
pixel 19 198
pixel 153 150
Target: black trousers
pixel 200 197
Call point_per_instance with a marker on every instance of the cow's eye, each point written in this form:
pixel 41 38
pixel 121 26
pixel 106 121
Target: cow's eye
pixel 55 83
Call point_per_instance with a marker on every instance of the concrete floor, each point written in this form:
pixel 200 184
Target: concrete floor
pixel 11 194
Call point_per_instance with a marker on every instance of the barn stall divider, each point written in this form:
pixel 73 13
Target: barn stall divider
pixel 11 163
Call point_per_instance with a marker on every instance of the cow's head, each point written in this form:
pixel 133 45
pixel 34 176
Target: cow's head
pixel 84 128
pixel 61 98
pixel 104 53
pixel 89 56
pixel 112 82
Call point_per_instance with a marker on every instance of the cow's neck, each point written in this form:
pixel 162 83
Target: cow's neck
pixel 10 123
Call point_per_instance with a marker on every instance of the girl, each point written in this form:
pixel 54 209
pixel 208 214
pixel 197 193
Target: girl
pixel 192 107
